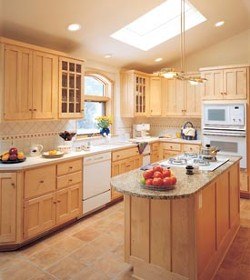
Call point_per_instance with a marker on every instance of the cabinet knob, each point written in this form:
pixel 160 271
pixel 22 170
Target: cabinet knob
pixel 58 201
pixel 41 182
pixel 225 93
pixel 70 180
pixel 70 167
pixel 222 93
pixel 34 110
pixel 13 185
pixel 30 110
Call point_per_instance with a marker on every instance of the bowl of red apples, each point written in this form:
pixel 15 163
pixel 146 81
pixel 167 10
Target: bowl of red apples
pixel 158 178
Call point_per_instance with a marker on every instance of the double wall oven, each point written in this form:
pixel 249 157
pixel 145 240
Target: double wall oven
pixel 224 126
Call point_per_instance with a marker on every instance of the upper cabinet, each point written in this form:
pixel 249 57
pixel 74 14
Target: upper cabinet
pixel 134 94
pixel 155 98
pixel 225 82
pixel 70 88
pixel 29 78
pixel 181 99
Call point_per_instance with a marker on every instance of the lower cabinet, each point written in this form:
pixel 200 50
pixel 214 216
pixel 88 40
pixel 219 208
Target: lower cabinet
pixel 68 203
pixel 123 166
pixel 8 207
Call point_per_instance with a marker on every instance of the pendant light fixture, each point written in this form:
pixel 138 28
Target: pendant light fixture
pixel 171 73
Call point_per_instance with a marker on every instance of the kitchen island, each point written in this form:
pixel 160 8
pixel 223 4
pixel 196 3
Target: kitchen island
pixel 183 233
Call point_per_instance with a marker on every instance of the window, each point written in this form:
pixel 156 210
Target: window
pixel 97 93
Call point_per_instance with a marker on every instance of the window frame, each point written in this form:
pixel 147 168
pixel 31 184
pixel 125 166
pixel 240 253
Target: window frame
pixel 106 98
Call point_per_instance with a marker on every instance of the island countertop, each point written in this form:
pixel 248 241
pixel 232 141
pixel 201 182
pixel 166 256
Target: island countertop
pixel 186 185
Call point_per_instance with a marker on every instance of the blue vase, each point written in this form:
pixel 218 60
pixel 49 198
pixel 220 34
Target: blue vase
pixel 104 131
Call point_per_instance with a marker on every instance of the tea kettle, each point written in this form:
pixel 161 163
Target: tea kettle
pixel 188 131
pixel 36 150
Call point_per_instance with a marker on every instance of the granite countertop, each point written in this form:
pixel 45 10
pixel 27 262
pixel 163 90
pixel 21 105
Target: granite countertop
pixel 165 139
pixel 128 183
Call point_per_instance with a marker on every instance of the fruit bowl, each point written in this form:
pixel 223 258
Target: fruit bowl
pixel 12 156
pixel 158 178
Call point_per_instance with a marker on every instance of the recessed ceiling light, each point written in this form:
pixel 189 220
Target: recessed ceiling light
pixel 74 27
pixel 158 25
pixel 158 59
pixel 108 55
pixel 219 23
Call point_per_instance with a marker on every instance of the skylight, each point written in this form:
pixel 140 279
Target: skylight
pixel 158 25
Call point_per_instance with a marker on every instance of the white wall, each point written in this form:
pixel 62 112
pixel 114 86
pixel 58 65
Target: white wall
pixel 234 50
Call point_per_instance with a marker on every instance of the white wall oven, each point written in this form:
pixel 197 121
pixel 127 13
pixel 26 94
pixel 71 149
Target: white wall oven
pixel 224 126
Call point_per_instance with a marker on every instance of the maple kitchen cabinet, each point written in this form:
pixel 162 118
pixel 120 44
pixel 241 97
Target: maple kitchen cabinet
pixel 8 207
pixel 124 161
pixel 70 88
pixel 155 96
pixel 134 93
pixel 225 82
pixel 181 99
pixel 30 84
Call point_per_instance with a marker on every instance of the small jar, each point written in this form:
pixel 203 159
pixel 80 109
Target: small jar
pixel 189 170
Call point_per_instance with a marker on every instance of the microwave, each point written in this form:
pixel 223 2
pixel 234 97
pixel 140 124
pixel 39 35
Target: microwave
pixel 224 116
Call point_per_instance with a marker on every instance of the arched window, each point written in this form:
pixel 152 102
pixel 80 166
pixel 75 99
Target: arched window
pixel 97 99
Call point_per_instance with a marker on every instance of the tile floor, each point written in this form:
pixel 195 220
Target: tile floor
pixel 92 249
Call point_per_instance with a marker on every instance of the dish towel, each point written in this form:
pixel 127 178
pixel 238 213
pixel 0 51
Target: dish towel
pixel 142 146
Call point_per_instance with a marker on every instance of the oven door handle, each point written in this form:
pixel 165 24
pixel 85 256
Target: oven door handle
pixel 227 135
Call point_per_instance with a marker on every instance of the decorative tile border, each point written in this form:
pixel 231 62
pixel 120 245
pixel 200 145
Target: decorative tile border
pixel 28 136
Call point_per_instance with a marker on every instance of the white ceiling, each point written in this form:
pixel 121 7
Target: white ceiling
pixel 44 22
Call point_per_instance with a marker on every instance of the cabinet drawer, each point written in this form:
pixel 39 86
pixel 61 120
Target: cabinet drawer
pixel 69 167
pixel 118 155
pixel 191 148
pixel 40 181
pixel 171 146
pixel 69 179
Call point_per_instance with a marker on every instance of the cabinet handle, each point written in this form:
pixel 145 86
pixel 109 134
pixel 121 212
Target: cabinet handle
pixel 222 93
pixel 34 110
pixel 41 182
pixel 171 147
pixel 70 167
pixel 55 202
pixel 58 201
pixel 13 185
pixel 30 110
pixel 70 180
pixel 225 93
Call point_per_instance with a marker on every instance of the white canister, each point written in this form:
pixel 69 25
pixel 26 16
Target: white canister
pixel 64 149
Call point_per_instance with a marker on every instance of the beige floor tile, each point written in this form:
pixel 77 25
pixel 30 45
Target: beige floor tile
pixel 33 248
pixel 89 273
pixel 47 257
pixel 87 234
pixel 8 259
pixel 66 268
pixel 68 244
pixel 87 254
pixel 20 271
pixel 105 243
pixel 111 265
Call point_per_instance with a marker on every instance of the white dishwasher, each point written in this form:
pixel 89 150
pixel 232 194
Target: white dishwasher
pixel 96 181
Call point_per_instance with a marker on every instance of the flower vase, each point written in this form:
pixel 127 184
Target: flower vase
pixel 104 131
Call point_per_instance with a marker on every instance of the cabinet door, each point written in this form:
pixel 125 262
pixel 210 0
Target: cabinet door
pixel 141 94
pixel 17 83
pixel 235 83
pixel 244 180
pixel 127 94
pixel 155 100
pixel 45 85
pixel 175 98
pixel 71 90
pixel 213 87
pixel 154 157
pixel 167 154
pixel 7 207
pixel 193 100
pixel 68 203
pixel 39 215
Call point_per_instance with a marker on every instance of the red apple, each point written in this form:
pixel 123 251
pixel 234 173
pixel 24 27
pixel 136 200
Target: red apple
pixel 157 181
pixel 167 181
pixel 148 174
pixel 149 182
pixel 166 173
pixel 157 168
pixel 158 174
pixel 13 151
pixel 173 180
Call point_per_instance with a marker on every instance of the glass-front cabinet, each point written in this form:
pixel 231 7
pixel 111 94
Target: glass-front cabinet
pixel 71 96
pixel 140 94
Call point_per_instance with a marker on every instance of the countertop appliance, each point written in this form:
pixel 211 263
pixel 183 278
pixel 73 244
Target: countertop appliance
pixel 224 126
pixel 141 130
pixel 188 132
pixel 96 181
